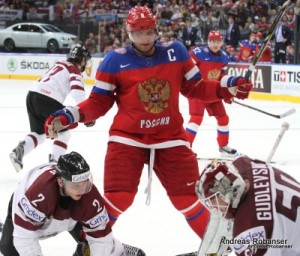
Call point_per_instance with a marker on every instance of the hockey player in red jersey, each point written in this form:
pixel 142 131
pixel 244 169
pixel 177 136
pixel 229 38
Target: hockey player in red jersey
pixel 48 95
pixel 53 198
pixel 145 79
pixel 263 202
pixel 212 62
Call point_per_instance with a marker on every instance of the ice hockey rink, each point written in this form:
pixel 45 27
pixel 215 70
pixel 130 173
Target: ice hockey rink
pixel 158 229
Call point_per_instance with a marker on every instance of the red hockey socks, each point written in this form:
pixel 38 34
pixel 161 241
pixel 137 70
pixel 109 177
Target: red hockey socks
pixel 116 203
pixel 195 213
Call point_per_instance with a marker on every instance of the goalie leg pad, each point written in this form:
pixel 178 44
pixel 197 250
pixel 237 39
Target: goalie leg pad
pixel 196 215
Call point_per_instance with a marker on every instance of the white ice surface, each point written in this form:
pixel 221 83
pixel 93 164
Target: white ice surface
pixel 158 229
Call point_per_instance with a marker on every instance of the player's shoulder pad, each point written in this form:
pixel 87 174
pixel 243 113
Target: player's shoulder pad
pixel 224 53
pixel 113 58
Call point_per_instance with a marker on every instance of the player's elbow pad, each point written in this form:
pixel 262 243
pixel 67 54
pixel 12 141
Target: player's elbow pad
pixel 27 246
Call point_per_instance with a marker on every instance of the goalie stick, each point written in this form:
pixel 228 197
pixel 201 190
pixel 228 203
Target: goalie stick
pixel 284 127
pixel 222 159
pixel 287 113
pixel 267 38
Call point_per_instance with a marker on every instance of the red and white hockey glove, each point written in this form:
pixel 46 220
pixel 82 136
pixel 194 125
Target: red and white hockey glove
pixel 66 118
pixel 237 86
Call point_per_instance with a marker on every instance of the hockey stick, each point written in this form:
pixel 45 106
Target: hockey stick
pixel 267 38
pixel 284 128
pixel 222 159
pixel 287 113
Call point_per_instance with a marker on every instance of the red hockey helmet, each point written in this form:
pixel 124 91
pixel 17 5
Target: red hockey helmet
pixel 140 18
pixel 214 35
pixel 220 180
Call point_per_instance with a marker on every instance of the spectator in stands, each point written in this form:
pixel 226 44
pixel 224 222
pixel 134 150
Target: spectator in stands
pixel 245 31
pixel 290 54
pixel 176 16
pixel 233 32
pixel 232 54
pixel 267 54
pixel 91 43
pixel 282 40
pixel 189 34
pixel 5 6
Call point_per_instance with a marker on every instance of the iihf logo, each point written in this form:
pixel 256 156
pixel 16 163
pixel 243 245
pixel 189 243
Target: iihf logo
pixel 279 76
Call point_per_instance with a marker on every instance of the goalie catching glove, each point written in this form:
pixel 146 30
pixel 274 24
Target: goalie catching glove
pixel 66 118
pixel 235 86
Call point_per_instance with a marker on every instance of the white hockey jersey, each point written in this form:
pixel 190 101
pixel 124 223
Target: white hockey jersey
pixel 267 220
pixel 59 81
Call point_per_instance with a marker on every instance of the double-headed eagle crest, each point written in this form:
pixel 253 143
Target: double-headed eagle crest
pixel 213 74
pixel 154 94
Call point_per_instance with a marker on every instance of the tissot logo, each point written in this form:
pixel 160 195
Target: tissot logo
pixel 286 76
pixel 280 76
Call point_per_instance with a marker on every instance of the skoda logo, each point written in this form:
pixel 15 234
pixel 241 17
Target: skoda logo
pixel 12 65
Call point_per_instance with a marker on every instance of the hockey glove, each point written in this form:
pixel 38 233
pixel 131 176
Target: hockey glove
pixel 66 118
pixel 228 101
pixel 236 86
pixel 82 249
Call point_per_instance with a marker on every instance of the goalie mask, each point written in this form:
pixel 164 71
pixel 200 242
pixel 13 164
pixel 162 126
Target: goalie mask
pixel 220 186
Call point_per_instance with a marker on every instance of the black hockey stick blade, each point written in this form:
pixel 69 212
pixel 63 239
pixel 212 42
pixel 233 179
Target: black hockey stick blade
pixel 267 38
pixel 287 113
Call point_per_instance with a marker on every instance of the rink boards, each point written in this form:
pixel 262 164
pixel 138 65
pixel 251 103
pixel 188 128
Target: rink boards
pixel 271 81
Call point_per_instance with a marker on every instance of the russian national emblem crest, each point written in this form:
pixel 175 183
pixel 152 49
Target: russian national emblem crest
pixel 213 74
pixel 154 94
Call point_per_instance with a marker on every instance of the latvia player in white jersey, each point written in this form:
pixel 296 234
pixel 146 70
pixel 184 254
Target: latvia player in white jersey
pixel 263 202
pixel 47 95
pixel 53 198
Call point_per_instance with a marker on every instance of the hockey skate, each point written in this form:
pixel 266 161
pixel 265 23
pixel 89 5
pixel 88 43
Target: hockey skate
pixel 16 156
pixel 132 251
pixel 227 151
pixel 83 249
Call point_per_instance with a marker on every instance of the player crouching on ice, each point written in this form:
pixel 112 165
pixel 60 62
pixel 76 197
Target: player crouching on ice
pixel 53 198
pixel 258 201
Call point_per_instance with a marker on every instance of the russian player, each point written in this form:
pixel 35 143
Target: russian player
pixel 263 202
pixel 212 62
pixel 58 197
pixel 145 79
pixel 48 95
